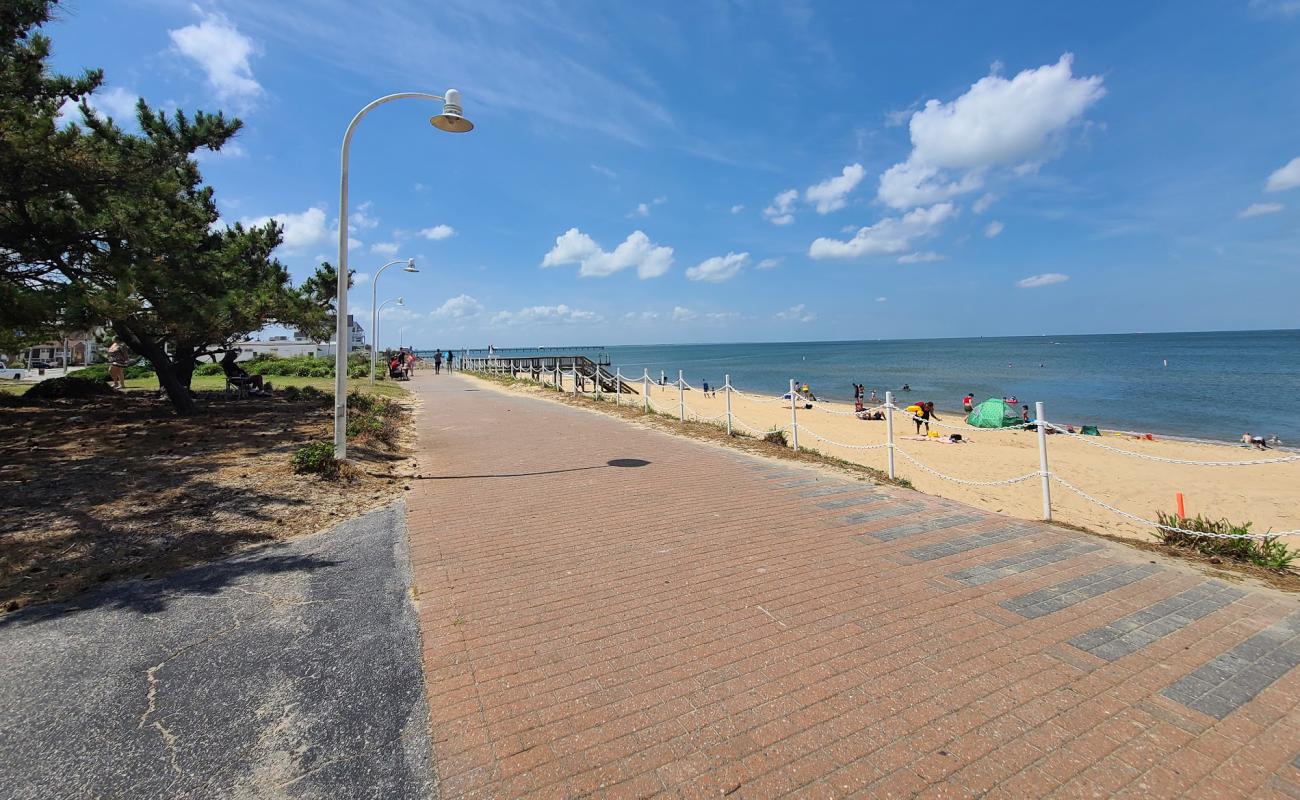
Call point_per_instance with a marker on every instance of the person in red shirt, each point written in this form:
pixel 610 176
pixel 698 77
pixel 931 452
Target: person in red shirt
pixel 968 402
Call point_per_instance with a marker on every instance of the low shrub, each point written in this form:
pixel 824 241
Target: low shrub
pixel 70 388
pixel 316 458
pixel 374 418
pixel 1268 552
pixel 292 393
pixel 210 368
pixel 99 372
pixel 312 393
pixel 776 436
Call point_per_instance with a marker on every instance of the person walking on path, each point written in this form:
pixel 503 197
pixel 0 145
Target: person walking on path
pixel 437 362
pixel 410 363
pixel 450 356
pixel 118 358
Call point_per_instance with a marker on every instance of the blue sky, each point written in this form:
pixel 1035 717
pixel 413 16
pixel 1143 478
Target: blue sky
pixel 752 171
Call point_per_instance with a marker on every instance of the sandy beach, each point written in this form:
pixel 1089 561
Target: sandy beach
pixel 1267 495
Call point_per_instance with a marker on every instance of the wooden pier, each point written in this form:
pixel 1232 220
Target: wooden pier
pixel 593 367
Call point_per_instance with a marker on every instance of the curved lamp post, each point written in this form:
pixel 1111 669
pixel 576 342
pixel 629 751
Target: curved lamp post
pixel 374 312
pixel 450 120
pixel 396 300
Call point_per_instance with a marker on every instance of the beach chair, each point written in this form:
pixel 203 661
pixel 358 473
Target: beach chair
pixel 238 386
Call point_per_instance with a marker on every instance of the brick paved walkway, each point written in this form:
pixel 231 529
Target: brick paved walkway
pixel 714 624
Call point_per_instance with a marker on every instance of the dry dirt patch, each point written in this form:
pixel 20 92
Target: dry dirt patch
pixel 119 487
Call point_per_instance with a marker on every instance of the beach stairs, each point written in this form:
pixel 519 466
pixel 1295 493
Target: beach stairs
pixel 538 367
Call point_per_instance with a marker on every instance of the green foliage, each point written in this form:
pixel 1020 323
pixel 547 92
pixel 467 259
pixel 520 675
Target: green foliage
pixel 292 394
pixel 297 366
pixel 99 372
pixel 208 369
pixel 776 436
pixel 316 458
pixel 313 394
pixel 102 227
pixel 374 418
pixel 1268 553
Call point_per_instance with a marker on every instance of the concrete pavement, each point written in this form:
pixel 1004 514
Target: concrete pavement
pixel 290 671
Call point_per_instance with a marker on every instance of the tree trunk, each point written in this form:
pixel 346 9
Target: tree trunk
pixel 178 393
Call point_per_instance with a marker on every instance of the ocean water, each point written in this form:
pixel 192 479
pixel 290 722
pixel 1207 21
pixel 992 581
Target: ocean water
pixel 1214 386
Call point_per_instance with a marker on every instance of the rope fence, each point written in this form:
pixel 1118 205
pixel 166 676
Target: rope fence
pixel 797 402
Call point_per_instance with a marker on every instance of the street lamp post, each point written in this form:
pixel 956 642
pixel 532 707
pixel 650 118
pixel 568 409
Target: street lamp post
pixel 396 300
pixel 450 120
pixel 374 312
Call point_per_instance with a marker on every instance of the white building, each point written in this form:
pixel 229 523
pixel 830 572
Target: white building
pixel 281 347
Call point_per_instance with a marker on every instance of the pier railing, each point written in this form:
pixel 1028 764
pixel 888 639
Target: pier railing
pixel 581 376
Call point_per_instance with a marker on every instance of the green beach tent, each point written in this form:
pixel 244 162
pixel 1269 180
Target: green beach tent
pixel 994 413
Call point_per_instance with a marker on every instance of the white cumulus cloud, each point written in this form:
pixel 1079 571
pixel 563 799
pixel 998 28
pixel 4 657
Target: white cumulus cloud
pixel 779 213
pixel 438 232
pixel 1260 209
pixel 576 247
pixel 115 102
pixel 1046 279
pixel 362 219
pixel 1018 122
pixel 384 248
pixel 681 314
pixel 925 257
pixel 545 315
pixel 223 53
pixel 983 204
pixel 737 208
pixel 993 229
pixel 889 235
pixel 830 195
pixel 459 307
pixel 799 313
pixel 718 268
pixel 302 230
pixel 1284 177
pixel 643 209
pixel 768 263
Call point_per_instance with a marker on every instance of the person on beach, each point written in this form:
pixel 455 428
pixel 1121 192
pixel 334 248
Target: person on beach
pixel 118 358
pixel 968 402
pixel 907 387
pixel 1256 442
pixel 410 364
pixel 874 400
pixel 806 391
pixel 1024 415
pixel 924 416
pixel 449 359
pixel 437 362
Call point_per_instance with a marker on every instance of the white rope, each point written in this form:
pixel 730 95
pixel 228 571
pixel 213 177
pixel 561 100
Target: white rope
pixel 962 481
pixel 1088 440
pixel 1259 537
pixel 819 437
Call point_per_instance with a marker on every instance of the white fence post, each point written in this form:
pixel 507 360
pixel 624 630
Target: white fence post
pixel 889 431
pixel 727 387
pixel 595 376
pixel 1042 461
pixel 681 398
pixel 645 390
pixel 618 386
pixel 794 419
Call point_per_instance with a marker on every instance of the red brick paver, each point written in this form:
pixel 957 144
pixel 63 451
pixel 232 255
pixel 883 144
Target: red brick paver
pixel 691 627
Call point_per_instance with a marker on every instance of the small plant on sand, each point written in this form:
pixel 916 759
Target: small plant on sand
pixel 776 436
pixel 1268 553
pixel 316 458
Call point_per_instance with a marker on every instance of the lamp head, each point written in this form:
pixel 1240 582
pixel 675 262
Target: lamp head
pixel 399 302
pixel 451 120
pixel 410 266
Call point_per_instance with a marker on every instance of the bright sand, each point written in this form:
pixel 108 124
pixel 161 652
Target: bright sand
pixel 1267 495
